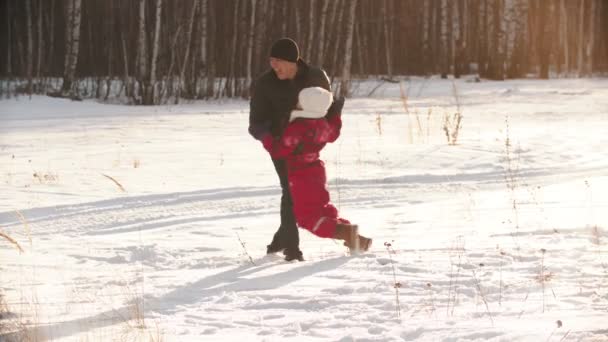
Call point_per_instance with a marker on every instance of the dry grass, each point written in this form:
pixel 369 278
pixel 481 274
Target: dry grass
pixel 46 177
pixel 115 182
pixel 396 284
pixel 12 241
pixel 453 122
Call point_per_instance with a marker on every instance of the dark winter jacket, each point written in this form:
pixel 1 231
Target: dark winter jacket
pixel 274 99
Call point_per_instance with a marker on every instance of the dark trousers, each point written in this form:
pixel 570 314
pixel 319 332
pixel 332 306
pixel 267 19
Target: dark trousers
pixel 287 235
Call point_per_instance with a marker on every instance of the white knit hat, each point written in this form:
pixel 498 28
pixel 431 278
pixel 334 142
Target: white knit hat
pixel 314 101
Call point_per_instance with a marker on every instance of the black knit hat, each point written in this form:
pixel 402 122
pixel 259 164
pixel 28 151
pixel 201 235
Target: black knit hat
pixel 285 49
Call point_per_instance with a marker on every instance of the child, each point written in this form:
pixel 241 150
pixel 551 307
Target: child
pixel 306 134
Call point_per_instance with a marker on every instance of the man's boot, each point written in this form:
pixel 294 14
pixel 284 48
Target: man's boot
pixel 276 245
pixel 293 253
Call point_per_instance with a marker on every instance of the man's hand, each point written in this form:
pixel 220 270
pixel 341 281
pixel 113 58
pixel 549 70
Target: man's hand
pixel 335 108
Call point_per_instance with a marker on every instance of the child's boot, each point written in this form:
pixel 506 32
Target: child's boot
pixel 350 234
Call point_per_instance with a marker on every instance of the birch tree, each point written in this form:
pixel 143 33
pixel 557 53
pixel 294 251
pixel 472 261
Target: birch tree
pixel 204 59
pixel 350 28
pixel 72 44
pixel 142 54
pixel 250 48
pixel 152 98
pixel 581 38
pixel 30 45
pixel 321 50
pixel 564 41
pixel 591 36
pixel 184 82
pixel 387 38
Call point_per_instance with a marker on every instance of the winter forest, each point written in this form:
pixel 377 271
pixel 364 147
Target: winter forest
pixel 155 51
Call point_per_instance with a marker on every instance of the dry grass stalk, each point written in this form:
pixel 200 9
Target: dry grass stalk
pixel 396 284
pixel 452 123
pixel 245 249
pixel 11 240
pixel 115 182
pixel 46 178
pixel 483 296
pixel 379 123
pixel 26 225
pixel 452 290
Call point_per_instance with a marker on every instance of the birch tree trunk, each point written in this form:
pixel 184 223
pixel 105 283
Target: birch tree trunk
pixel 232 70
pixel 581 38
pixel 40 41
pixel 350 28
pixel 151 91
pixel 297 20
pixel 335 24
pixel 210 57
pixel 184 83
pixel 142 55
pixel 9 64
pixel 320 52
pixel 204 67
pixel 261 55
pixel 449 21
pixel 544 51
pixel 591 39
pixel 340 4
pixel 311 30
pixel 73 16
pixel 246 89
pixel 30 45
pixel 51 30
pixel 387 41
pixel 564 35
pixel 443 38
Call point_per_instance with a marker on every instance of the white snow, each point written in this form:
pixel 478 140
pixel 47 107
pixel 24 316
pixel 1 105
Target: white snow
pixel 498 237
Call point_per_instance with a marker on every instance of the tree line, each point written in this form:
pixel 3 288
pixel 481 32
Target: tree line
pixel 156 51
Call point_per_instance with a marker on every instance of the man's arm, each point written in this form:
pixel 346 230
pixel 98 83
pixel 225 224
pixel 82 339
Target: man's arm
pixel 259 113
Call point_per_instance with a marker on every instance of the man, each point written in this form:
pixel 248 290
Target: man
pixel 275 95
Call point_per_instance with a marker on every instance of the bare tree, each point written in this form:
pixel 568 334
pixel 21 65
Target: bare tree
pixel 321 50
pixel 591 37
pixel 581 38
pixel 142 54
pixel 311 29
pixel 185 83
pixel 387 38
pixel 250 48
pixel 350 28
pixel 563 35
pixel 40 40
pixel 72 44
pixel 152 98
pixel 30 45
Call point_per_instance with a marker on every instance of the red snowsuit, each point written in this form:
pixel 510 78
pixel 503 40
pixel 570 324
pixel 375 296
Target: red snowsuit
pixel 300 145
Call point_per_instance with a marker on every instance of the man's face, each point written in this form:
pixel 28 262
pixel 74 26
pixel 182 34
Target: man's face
pixel 284 70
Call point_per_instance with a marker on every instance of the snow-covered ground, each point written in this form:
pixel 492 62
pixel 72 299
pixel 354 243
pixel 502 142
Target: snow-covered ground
pixel 503 236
